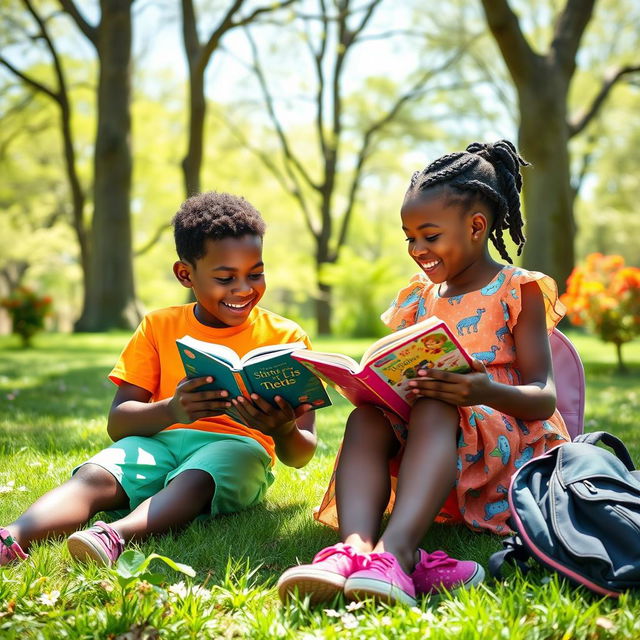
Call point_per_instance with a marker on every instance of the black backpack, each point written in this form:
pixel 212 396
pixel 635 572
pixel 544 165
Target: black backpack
pixel 576 510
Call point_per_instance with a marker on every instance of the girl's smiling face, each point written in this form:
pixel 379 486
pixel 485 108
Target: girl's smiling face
pixel 445 240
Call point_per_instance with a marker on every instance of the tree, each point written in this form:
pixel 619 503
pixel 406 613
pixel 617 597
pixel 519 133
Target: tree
pixel 345 140
pixel 110 300
pixel 60 95
pixel 542 82
pixel 199 54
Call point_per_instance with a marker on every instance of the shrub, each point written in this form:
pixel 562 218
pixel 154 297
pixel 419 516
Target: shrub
pixel 603 295
pixel 27 311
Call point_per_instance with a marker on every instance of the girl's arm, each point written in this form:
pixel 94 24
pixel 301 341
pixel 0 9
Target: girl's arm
pixel 534 398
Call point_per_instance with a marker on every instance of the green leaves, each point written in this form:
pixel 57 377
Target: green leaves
pixel 132 567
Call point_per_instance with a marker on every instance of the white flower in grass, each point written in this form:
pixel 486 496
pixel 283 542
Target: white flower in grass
pixel 331 613
pixel 386 621
pixel 48 599
pixel 349 621
pixel 179 589
pixel 201 592
pixel 354 606
pixel 7 488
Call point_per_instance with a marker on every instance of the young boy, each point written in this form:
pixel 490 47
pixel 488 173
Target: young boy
pixel 175 455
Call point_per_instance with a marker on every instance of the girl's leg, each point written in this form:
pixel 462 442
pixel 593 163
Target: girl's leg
pixel 426 476
pixel 362 477
pixel 69 506
pixel 188 495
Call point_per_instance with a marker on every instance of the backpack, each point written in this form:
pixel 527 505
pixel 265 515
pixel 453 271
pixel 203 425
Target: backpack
pixel 576 510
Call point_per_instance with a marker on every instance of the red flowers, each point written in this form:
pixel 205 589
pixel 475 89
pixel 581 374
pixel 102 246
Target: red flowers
pixel 27 311
pixel 604 296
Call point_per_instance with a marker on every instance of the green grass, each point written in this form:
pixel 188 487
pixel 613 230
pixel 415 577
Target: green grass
pixel 53 403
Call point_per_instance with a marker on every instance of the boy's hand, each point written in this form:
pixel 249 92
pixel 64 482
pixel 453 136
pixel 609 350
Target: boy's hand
pixel 189 405
pixel 275 421
pixel 459 389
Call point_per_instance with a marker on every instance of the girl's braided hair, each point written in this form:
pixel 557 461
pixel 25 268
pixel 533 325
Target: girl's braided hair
pixel 486 172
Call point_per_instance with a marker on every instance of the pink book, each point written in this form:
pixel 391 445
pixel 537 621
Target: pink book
pixel 382 376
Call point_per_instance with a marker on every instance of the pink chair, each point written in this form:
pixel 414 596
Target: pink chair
pixel 568 373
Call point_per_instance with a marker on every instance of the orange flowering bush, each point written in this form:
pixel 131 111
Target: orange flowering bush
pixel 603 295
pixel 27 311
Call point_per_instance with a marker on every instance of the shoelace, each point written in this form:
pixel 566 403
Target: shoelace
pixel 11 545
pixel 383 560
pixel 343 550
pixel 112 535
pixel 437 559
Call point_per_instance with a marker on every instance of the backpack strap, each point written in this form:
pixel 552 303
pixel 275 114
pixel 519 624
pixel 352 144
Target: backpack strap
pixel 611 441
pixel 514 552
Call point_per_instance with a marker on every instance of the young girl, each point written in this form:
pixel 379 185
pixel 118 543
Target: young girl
pixel 469 432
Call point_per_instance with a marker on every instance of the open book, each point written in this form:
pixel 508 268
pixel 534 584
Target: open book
pixel 383 374
pixel 268 371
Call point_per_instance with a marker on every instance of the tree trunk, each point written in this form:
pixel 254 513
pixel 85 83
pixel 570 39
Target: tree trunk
pixel 621 368
pixel 110 300
pixel 543 141
pixel 192 162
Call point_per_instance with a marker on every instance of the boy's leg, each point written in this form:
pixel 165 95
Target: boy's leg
pixel 69 506
pixel 187 496
pixel 363 483
pixel 427 474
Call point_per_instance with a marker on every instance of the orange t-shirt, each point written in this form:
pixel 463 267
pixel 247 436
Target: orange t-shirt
pixel 151 360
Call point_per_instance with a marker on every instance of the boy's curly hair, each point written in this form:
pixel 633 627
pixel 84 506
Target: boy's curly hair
pixel 487 173
pixel 213 216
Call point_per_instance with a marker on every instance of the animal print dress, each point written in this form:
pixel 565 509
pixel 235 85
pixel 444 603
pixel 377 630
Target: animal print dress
pixel 491 445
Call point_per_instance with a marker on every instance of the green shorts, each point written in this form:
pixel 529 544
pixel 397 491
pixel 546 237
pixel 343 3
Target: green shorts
pixel 143 465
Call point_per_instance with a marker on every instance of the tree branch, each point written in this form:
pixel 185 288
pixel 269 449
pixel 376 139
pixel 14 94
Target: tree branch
pixel 89 31
pixel 505 27
pixel 415 91
pixel 34 84
pixel 268 162
pixel 569 30
pixel 152 241
pixel 588 114
pixel 291 159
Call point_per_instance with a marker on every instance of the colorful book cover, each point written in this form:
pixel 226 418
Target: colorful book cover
pixel 267 371
pixel 382 377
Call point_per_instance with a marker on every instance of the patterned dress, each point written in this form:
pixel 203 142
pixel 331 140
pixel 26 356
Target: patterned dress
pixel 491 445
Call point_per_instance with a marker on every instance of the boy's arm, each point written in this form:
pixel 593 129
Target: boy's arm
pixel 132 414
pixel 293 432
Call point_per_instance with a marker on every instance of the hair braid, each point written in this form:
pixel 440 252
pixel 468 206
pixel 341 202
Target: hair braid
pixel 491 172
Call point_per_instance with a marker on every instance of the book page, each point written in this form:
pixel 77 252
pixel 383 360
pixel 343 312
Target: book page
pixel 386 343
pixel 210 348
pixel 259 354
pixel 434 350
pixel 335 359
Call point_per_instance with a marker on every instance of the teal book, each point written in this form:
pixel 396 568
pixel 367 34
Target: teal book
pixel 268 371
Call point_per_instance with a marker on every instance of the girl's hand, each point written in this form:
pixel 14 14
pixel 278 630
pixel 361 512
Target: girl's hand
pixel 459 389
pixel 276 421
pixel 188 404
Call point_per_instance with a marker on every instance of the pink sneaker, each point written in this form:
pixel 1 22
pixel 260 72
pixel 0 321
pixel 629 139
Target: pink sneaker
pixel 437 571
pixel 382 579
pixel 10 550
pixel 324 578
pixel 100 543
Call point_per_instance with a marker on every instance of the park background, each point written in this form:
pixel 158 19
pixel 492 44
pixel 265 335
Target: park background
pixel 317 112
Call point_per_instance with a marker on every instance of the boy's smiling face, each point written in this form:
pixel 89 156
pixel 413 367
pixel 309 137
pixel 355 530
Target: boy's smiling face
pixel 228 281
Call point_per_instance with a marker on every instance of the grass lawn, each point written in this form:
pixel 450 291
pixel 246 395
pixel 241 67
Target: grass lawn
pixel 53 404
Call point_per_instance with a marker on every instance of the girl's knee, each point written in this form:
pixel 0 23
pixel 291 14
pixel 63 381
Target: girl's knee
pixel 435 414
pixel 367 420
